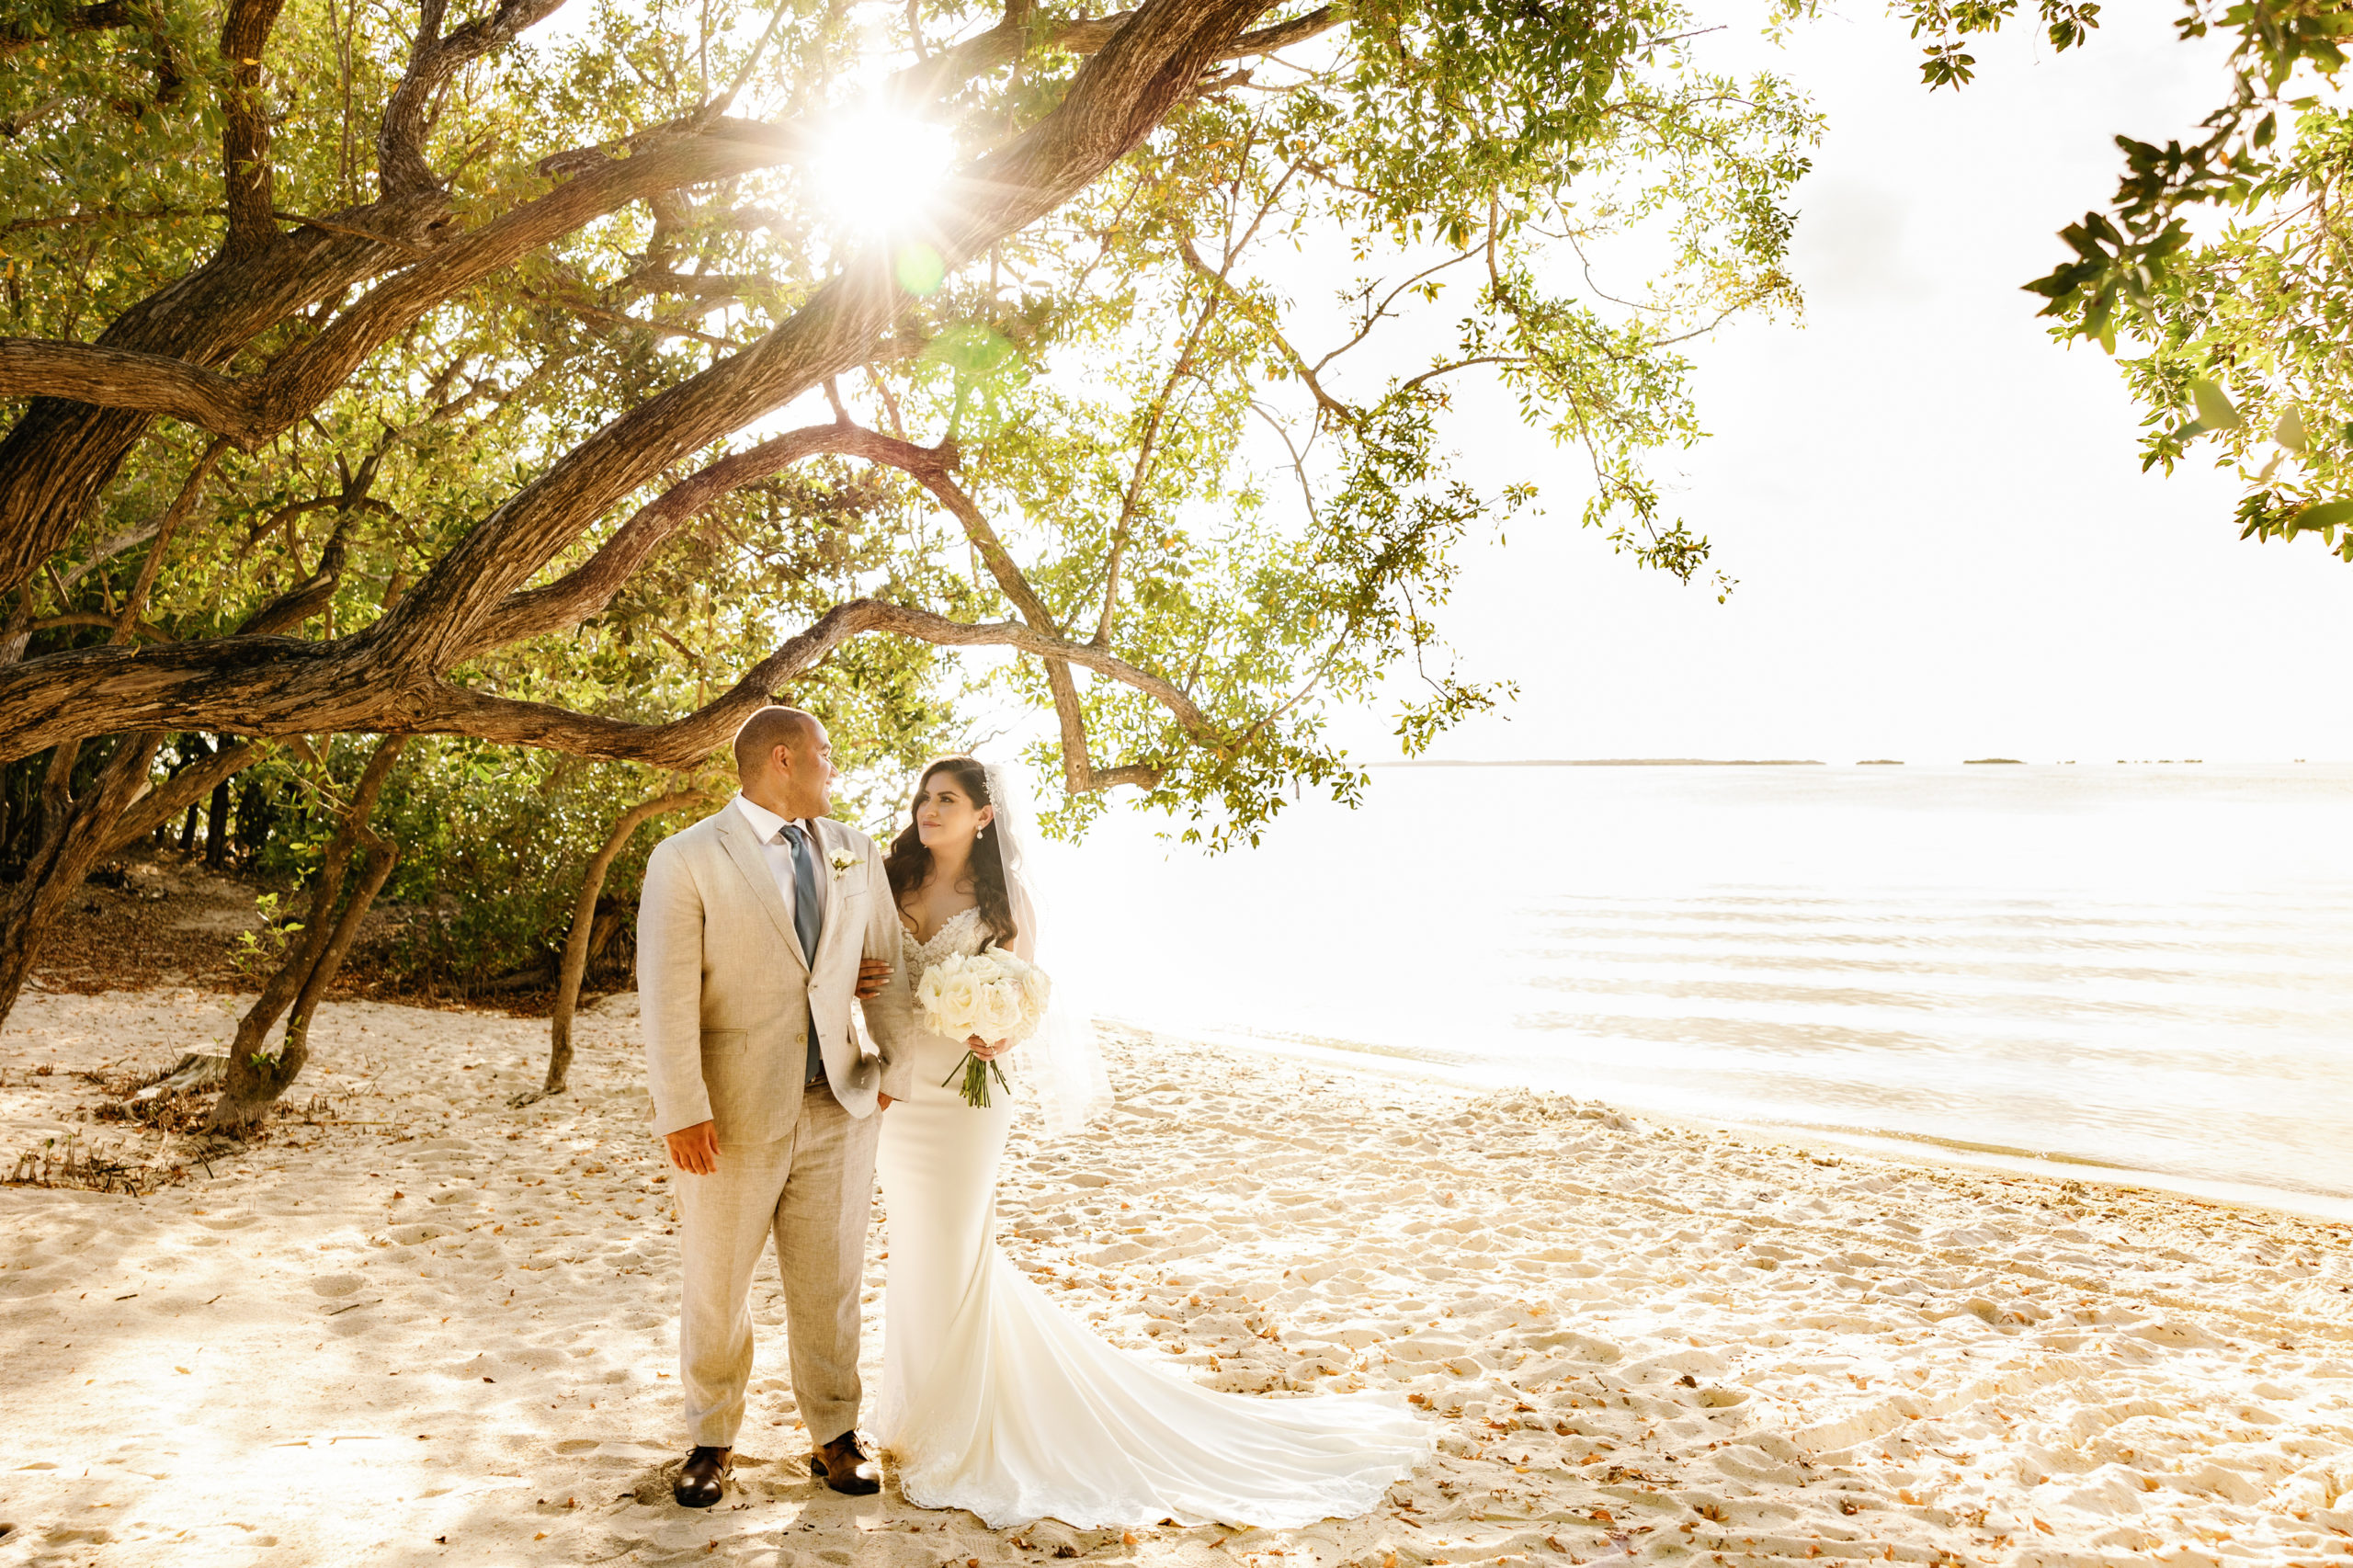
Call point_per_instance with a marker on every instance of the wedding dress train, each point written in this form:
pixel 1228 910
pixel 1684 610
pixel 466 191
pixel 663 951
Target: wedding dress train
pixel 996 1401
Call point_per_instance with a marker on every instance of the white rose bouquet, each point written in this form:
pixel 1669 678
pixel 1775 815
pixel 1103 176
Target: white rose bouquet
pixel 990 993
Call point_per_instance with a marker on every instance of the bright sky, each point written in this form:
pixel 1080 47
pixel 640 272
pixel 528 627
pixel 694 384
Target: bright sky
pixel 1944 544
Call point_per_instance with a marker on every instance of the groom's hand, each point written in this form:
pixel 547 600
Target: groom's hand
pixel 873 975
pixel 694 1150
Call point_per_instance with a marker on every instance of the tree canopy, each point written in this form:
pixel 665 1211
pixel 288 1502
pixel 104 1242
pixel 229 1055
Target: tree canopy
pixel 2219 273
pixel 582 381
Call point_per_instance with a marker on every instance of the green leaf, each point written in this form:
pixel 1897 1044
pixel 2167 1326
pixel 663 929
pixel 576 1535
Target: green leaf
pixel 2214 410
pixel 2326 514
pixel 2289 431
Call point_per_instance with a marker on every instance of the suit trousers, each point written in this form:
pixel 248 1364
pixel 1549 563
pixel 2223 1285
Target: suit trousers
pixel 815 1193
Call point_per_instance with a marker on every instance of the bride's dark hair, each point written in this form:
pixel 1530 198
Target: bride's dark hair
pixel 908 865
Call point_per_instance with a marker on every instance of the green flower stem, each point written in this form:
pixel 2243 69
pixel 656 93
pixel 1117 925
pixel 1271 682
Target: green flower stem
pixel 977 1074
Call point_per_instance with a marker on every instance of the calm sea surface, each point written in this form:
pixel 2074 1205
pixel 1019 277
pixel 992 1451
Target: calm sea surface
pixel 2148 967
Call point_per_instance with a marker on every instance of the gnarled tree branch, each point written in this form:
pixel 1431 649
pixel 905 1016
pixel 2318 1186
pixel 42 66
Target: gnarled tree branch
pixel 245 131
pixel 1079 773
pixel 400 141
pixel 683 742
pixel 586 589
pixel 80 19
pixel 1114 101
pixel 182 789
pixel 125 377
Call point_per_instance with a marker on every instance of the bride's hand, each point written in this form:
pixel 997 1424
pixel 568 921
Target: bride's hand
pixel 986 1051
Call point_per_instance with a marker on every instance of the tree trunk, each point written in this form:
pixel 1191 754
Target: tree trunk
pixel 216 827
pixel 192 830
pixel 256 1077
pixel 584 924
pixel 75 832
pixel 382 856
pixel 56 799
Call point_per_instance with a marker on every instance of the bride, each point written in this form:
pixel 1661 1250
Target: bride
pixel 992 1399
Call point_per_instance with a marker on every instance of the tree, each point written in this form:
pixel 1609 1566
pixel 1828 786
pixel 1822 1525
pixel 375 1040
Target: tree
pixel 2235 334
pixel 444 346
pixel 584 926
pixel 256 1074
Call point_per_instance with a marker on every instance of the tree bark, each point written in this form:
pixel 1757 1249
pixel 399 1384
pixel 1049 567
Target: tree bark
pixel 584 925
pixel 256 1077
pixel 381 857
pixel 74 835
pixel 1143 63
pixel 184 791
pixel 216 827
pixel 309 688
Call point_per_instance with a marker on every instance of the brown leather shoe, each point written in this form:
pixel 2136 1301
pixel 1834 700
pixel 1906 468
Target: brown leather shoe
pixel 841 1466
pixel 702 1480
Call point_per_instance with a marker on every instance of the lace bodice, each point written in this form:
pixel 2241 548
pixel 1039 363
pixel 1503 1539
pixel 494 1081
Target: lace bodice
pixel 961 935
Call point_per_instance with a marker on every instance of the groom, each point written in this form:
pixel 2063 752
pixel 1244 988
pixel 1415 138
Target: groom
pixel 758 927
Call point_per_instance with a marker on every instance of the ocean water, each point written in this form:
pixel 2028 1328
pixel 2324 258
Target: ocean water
pixel 2138 972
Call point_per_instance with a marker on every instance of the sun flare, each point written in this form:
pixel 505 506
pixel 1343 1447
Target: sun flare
pixel 881 170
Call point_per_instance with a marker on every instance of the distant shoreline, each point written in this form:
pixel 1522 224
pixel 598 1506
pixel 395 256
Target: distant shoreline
pixel 1773 762
pixel 1621 762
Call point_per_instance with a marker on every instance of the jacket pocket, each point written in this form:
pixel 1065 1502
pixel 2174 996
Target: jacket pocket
pixel 724 1042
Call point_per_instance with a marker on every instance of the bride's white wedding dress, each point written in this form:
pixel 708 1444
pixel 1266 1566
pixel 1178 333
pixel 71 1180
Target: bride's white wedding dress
pixel 995 1400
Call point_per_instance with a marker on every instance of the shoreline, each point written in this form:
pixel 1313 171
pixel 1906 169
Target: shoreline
pixel 427 1326
pixel 1612 762
pixel 1919 1147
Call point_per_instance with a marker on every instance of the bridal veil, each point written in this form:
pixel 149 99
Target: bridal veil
pixel 1059 1067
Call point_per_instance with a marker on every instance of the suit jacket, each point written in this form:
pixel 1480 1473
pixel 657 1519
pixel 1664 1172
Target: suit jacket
pixel 725 995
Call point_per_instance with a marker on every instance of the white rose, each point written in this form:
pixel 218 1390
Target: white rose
pixel 996 1011
pixel 945 993
pixel 927 998
pixel 959 996
pixel 1037 991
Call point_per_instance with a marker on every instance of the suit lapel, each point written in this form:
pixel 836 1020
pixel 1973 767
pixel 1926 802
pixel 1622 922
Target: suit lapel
pixel 829 900
pixel 838 926
pixel 736 837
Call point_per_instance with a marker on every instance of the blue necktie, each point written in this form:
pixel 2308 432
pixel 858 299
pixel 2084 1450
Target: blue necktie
pixel 804 923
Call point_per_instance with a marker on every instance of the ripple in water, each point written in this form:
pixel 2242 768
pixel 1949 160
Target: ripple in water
pixel 2143 968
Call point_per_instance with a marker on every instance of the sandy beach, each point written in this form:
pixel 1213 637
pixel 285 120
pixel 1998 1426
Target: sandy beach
pixel 420 1325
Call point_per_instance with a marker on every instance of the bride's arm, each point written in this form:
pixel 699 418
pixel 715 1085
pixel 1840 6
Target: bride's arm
pixel 890 1014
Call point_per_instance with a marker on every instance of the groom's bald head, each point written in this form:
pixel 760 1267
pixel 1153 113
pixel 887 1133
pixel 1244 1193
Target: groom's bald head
pixel 765 730
pixel 785 762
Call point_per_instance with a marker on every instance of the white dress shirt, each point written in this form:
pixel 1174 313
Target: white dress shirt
pixel 766 826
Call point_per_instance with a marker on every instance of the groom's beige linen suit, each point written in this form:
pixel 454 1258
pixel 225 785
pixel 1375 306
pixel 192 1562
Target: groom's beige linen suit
pixel 727 998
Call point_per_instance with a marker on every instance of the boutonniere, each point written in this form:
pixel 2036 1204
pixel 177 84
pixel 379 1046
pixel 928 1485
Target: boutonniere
pixel 841 860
